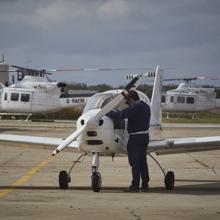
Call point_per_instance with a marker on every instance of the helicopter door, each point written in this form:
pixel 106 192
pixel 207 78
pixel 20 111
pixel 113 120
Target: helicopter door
pixel 4 101
pixel 25 100
pixel 19 102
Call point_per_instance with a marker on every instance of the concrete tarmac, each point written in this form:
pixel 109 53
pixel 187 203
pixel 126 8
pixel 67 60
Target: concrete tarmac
pixel 29 181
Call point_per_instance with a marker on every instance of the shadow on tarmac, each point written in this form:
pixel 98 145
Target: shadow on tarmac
pixel 2 130
pixel 200 187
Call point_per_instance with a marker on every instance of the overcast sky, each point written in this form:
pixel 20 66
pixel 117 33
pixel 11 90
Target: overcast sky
pixel 180 34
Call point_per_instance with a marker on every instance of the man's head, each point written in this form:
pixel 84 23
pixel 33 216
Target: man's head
pixel 132 97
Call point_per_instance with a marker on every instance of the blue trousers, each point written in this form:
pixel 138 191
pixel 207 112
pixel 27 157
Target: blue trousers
pixel 137 150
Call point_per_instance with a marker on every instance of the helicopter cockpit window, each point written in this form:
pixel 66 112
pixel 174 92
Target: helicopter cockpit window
pixel 181 99
pixel 190 100
pixel 14 96
pixel 98 101
pixel 25 97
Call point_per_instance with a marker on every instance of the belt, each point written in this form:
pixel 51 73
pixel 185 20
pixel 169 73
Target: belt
pixel 139 132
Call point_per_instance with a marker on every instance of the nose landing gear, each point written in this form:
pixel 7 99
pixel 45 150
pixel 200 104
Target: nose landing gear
pixel 96 179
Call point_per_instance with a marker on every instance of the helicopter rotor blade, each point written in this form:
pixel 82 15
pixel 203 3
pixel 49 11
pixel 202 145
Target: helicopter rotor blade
pixel 95 69
pixel 192 78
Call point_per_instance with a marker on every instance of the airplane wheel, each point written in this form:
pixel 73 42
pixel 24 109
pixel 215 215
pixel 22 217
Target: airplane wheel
pixel 96 181
pixel 169 180
pixel 63 179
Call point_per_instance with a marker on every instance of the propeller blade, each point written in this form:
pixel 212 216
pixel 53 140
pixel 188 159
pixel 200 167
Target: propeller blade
pixel 114 102
pixel 69 140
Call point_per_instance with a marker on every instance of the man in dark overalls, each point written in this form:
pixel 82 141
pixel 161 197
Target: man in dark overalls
pixel 138 114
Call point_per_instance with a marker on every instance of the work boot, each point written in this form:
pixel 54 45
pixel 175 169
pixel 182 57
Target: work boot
pixel 132 188
pixel 145 188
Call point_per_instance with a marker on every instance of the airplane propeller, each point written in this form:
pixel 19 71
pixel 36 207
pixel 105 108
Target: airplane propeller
pixel 94 121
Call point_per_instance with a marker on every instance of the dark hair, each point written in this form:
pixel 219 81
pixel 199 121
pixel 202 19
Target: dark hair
pixel 133 95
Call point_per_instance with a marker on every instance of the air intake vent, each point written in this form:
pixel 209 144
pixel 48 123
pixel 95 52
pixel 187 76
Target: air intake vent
pixel 91 133
pixel 94 142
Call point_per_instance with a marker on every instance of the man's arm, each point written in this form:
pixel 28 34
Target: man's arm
pixel 116 114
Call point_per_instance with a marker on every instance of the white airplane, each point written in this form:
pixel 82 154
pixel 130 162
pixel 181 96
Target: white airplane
pixel 99 135
pixel 189 97
pixel 37 94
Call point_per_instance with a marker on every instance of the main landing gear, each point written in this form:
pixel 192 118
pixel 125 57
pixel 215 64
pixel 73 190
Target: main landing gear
pixel 169 177
pixel 64 177
pixel 96 179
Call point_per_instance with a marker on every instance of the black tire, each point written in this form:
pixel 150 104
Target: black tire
pixel 63 180
pixel 96 182
pixel 169 180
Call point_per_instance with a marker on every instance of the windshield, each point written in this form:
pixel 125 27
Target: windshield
pixel 98 101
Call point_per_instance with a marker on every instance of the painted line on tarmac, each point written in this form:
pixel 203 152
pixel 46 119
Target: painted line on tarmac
pixel 26 176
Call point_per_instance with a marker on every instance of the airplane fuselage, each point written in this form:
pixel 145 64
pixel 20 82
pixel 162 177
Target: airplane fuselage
pixel 107 136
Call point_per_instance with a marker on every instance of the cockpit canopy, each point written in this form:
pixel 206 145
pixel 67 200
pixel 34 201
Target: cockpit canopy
pixel 99 100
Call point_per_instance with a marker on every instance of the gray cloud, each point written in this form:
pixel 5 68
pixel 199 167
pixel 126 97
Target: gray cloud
pixel 112 33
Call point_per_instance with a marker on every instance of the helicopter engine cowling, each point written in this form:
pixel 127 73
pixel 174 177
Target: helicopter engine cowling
pixel 61 85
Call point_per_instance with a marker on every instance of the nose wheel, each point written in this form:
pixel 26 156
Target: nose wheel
pixel 96 178
pixel 96 181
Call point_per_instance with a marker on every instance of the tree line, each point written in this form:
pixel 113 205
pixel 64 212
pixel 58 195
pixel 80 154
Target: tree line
pixel 145 88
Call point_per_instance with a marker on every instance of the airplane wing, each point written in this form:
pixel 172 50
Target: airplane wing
pixel 184 145
pixel 160 147
pixel 35 141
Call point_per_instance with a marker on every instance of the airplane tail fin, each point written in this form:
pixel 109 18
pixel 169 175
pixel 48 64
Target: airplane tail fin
pixel 156 110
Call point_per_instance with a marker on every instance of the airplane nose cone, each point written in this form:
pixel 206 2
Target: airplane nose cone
pixel 89 119
pixel 92 123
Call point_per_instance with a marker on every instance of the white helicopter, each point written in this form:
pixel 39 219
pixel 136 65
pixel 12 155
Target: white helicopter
pixel 98 135
pixel 36 93
pixel 189 97
pixel 33 92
